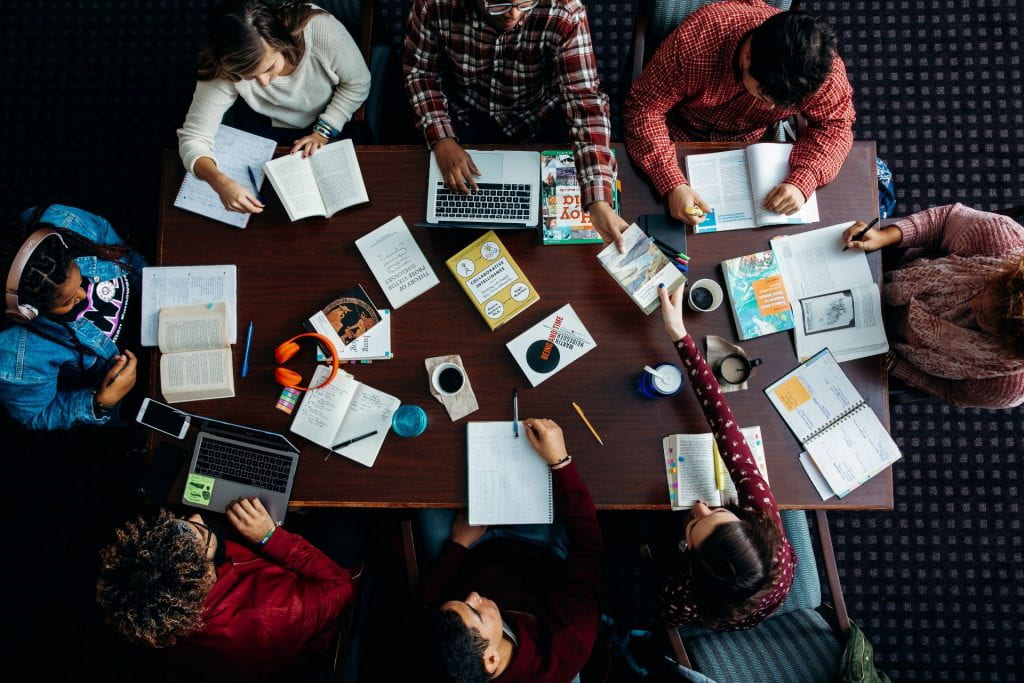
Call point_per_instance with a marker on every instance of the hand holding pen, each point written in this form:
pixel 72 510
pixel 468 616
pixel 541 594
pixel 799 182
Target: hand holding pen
pixel 862 237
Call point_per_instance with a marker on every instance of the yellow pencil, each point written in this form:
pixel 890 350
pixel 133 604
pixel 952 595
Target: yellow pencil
pixel 587 422
pixel 719 467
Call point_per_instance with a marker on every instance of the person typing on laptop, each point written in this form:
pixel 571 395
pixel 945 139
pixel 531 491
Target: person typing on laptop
pixel 222 610
pixel 511 65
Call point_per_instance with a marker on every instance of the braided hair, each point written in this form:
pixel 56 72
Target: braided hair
pixel 47 270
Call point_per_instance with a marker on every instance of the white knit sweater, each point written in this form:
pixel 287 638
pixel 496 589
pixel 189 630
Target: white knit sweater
pixel 331 81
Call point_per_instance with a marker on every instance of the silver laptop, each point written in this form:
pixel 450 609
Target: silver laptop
pixel 509 194
pixel 242 461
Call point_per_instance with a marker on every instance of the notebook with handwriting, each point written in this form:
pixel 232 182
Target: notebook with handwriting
pixel 509 483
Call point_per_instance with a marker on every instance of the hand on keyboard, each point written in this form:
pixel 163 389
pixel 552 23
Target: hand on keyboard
pixel 250 518
pixel 457 167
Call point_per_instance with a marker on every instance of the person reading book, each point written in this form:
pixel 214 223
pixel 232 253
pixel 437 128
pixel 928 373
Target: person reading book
pixel 737 565
pixel 516 603
pixel 954 303
pixel 511 65
pixel 63 358
pixel 293 65
pixel 220 609
pixel 730 70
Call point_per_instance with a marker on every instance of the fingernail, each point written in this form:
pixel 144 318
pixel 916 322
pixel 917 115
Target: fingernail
pixel 661 285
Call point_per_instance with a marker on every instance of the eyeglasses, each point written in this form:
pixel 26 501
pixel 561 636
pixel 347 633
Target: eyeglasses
pixel 497 8
pixel 190 526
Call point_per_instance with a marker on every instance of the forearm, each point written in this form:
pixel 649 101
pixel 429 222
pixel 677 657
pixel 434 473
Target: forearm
pixel 997 392
pixel 196 135
pixel 924 229
pixel 353 82
pixel 299 556
pixel 206 169
pixel 432 589
pixel 66 409
pixel 421 69
pixel 576 511
pixel 648 142
pixel 818 156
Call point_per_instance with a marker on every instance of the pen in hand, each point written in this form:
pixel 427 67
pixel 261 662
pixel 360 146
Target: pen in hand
pixel 255 185
pixel 860 235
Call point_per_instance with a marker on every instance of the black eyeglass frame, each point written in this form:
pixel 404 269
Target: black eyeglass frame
pixel 496 9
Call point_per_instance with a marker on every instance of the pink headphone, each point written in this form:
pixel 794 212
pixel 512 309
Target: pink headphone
pixel 16 311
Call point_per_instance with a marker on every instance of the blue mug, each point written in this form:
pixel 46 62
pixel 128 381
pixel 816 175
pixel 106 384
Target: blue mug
pixel 649 386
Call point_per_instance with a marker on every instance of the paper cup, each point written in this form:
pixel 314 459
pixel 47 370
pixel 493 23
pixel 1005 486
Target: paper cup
pixel 705 288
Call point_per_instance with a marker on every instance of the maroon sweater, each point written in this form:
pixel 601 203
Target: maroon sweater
pixel 552 605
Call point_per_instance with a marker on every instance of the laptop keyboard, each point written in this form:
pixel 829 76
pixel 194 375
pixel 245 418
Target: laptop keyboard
pixel 493 201
pixel 243 465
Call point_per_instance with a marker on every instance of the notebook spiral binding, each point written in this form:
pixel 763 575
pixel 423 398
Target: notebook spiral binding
pixel 832 423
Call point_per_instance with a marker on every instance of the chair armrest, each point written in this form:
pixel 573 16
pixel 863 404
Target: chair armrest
pixel 639 45
pixel 412 570
pixel 828 556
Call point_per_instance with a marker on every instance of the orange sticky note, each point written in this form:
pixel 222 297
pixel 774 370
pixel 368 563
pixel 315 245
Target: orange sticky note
pixel 792 393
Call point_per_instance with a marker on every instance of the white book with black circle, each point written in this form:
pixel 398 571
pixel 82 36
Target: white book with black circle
pixel 550 345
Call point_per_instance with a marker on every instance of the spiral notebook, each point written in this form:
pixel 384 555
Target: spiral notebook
pixel 844 438
pixel 509 483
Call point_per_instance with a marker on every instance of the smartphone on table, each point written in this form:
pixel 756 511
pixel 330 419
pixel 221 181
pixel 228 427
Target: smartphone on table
pixel 163 418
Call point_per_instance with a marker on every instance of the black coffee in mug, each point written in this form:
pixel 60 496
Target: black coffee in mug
pixel 450 380
pixel 702 298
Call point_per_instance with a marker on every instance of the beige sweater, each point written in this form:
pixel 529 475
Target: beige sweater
pixel 331 81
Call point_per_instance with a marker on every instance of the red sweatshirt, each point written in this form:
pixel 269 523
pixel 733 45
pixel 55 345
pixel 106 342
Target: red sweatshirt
pixel 752 489
pixel 552 606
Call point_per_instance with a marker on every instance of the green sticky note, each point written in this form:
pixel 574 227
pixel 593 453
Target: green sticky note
pixel 198 489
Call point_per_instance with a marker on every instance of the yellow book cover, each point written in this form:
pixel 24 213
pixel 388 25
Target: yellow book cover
pixel 492 280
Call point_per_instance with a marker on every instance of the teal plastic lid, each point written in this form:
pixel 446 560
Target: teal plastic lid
pixel 409 420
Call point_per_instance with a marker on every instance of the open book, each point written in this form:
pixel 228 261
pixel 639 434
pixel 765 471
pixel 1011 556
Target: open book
pixel 843 436
pixel 735 183
pixel 164 286
pixel 320 185
pixel 641 269
pixel 196 360
pixel 343 410
pixel 695 470
pixel 836 303
pixel 508 482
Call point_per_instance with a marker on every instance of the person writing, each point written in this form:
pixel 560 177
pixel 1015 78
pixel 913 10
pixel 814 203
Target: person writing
pixel 293 65
pixel 954 303
pixel 509 605
pixel 737 565
pixel 71 286
pixel 221 610
pixel 508 67
pixel 730 70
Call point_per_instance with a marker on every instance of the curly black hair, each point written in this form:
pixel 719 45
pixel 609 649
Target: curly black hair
pixel 449 650
pixel 152 582
pixel 791 55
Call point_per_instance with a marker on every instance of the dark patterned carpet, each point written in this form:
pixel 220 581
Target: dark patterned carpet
pixel 93 90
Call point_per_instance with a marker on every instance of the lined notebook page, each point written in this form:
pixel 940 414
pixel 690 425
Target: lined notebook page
pixel 508 482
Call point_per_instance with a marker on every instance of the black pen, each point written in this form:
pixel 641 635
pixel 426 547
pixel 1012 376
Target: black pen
pixel 351 441
pixel 860 235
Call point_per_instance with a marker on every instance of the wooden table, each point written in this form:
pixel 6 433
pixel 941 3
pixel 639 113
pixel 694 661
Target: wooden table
pixel 287 271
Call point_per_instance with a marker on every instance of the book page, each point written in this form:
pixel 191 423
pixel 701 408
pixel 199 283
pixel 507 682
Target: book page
pixel 722 181
pixel 194 375
pixel 181 285
pixel 641 269
pixel 509 483
pixel 322 411
pixel 814 262
pixel 292 178
pixel 237 151
pixel 336 173
pixel 199 327
pixel 853 451
pixel 768 165
pixel 371 410
pixel 695 467
pixel 813 395
pixel 397 262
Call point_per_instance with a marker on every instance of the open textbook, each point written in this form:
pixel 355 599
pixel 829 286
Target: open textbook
pixel 196 356
pixel 695 469
pixel 343 410
pixel 238 153
pixel 836 303
pixel 322 184
pixel 181 285
pixel 735 183
pixel 844 438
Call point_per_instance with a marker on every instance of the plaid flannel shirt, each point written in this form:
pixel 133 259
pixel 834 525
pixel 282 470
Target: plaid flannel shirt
pixel 690 91
pixel 516 77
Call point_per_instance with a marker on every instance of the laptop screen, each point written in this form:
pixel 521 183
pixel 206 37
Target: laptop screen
pixel 242 432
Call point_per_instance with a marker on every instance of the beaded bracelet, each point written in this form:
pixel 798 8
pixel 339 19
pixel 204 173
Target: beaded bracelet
pixel 266 537
pixel 325 129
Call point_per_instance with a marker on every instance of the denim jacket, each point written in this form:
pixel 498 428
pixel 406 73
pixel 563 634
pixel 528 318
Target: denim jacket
pixel 40 382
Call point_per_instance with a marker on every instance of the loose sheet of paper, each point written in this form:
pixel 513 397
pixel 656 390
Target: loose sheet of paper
pixel 509 483
pixel 181 285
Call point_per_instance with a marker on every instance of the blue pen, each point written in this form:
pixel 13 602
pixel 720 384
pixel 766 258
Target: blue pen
pixel 248 347
pixel 515 412
pixel 255 187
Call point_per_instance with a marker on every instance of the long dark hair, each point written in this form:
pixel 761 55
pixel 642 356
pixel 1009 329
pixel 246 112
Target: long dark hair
pixel 238 33
pixel 731 567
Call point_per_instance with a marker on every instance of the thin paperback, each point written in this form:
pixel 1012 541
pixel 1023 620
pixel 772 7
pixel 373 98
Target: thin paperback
pixel 641 269
pixel 550 345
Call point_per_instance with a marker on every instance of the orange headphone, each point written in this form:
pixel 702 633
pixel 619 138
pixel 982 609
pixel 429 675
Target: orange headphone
pixel 292 379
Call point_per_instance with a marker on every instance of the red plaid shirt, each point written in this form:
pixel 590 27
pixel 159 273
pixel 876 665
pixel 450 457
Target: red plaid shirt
pixel 516 77
pixel 690 91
